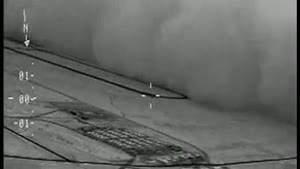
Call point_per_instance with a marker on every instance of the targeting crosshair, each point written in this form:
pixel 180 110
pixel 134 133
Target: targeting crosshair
pixel 155 96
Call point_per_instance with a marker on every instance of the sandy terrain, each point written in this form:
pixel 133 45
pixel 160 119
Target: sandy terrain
pixel 224 136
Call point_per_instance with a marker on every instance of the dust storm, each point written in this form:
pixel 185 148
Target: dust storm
pixel 235 54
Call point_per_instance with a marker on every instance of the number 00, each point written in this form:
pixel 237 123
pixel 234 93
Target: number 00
pixel 24 99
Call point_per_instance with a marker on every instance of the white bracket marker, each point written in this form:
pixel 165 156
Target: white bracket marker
pixel 157 95
pixel 150 104
pixel 10 98
pixel 25 29
pixel 33 98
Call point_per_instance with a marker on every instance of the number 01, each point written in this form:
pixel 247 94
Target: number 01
pixel 23 75
pixel 23 122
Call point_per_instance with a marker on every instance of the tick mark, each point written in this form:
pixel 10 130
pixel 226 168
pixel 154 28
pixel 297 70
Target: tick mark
pixel 34 98
pixel 24 14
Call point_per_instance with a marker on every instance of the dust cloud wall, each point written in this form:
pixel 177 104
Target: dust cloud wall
pixel 233 54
